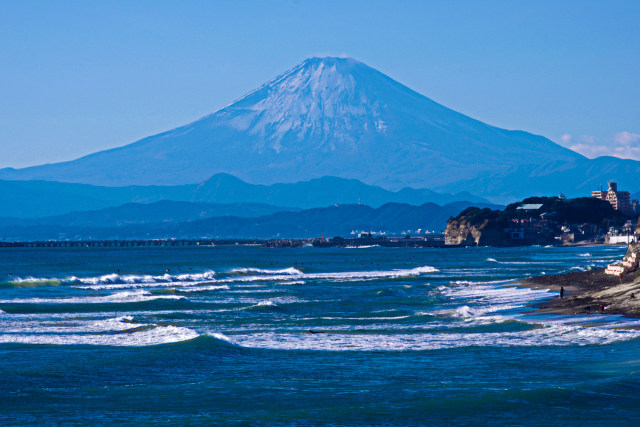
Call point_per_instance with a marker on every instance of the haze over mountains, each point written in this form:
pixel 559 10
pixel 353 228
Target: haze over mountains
pixel 338 117
pixel 33 199
pixel 200 220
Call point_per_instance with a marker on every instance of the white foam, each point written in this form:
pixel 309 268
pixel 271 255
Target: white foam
pixel 347 275
pixel 152 336
pixel 119 297
pixel 48 326
pixel 254 291
pixel 221 337
pixel 137 285
pixel 266 304
pixel 32 279
pixel 483 292
pixel 479 314
pixel 368 318
pixel 553 335
pixel 272 302
pixel 205 288
pixel 338 275
pixel 284 275
pixel 290 271
pixel 123 279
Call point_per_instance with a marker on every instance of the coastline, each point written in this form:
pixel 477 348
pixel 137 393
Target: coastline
pixel 586 291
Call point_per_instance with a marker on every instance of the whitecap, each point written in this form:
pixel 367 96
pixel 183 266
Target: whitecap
pixel 124 279
pixel 482 292
pixel 221 337
pixel 74 325
pixel 152 336
pixel 119 297
pixel 291 275
pixel 289 271
pixel 205 288
pixel 552 335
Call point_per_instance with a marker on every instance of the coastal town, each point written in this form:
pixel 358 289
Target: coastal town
pixel 607 217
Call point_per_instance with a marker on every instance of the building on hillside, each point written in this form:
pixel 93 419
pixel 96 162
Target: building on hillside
pixel 620 200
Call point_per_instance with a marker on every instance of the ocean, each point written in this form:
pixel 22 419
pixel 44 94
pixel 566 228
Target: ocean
pixel 306 336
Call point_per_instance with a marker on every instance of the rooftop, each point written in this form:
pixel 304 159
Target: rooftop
pixel 530 206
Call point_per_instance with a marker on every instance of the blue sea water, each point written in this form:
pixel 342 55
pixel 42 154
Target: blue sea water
pixel 251 335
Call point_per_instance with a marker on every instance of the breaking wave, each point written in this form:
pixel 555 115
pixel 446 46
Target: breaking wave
pixel 290 270
pixel 551 335
pixel 241 275
pixel 119 297
pixel 486 293
pixel 139 338
pixel 116 279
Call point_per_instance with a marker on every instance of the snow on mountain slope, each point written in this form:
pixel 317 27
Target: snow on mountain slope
pixel 324 117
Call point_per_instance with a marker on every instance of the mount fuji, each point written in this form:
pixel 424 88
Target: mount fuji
pixel 340 117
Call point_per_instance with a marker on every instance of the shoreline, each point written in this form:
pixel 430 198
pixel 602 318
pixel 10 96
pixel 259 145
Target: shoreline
pixel 338 242
pixel 587 292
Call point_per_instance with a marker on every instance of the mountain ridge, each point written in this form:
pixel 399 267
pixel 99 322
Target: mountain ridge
pixel 329 221
pixel 33 199
pixel 334 117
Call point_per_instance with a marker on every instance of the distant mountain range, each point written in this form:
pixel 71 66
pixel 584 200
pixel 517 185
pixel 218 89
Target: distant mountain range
pixel 182 220
pixel 339 117
pixel 162 212
pixel 34 199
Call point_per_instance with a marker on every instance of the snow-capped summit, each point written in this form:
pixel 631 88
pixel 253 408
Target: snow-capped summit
pixel 319 98
pixel 330 117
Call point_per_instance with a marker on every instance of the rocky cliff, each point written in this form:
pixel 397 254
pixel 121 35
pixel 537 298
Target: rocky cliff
pixel 535 220
pixel 475 226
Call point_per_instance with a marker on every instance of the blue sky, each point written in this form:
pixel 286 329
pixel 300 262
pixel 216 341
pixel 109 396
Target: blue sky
pixel 80 76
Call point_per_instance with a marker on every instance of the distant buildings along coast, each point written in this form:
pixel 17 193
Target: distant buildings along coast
pixel 605 217
pixel 620 200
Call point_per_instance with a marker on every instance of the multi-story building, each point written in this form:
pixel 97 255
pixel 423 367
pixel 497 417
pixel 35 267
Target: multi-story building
pixel 620 200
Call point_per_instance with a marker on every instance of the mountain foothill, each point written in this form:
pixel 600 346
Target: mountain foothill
pixel 329 131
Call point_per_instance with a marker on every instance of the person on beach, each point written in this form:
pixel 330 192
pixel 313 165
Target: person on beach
pixel 561 292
